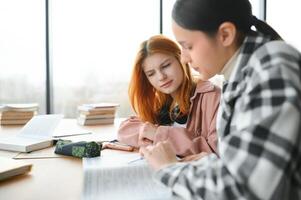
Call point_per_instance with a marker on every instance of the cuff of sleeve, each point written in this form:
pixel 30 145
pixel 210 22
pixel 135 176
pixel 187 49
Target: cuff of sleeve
pixel 169 174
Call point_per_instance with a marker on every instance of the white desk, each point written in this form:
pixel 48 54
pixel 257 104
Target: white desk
pixel 52 177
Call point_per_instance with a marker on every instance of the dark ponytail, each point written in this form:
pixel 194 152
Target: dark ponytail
pixel 208 15
pixel 264 28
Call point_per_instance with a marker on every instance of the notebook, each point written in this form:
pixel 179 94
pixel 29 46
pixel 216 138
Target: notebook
pixel 10 168
pixel 35 135
pixel 121 176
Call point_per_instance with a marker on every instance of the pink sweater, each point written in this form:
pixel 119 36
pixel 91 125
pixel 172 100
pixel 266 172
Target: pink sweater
pixel 200 132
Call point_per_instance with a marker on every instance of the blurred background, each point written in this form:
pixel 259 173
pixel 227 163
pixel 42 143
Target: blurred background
pixel 62 53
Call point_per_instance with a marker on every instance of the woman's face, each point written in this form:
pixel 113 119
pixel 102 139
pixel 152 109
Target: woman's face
pixel 164 72
pixel 201 52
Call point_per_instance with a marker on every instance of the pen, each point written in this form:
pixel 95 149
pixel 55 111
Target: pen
pixel 132 161
pixel 75 134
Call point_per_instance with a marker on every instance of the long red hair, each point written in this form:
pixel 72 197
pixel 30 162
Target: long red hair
pixel 145 99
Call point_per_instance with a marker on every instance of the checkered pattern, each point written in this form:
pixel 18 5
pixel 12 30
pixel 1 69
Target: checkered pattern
pixel 259 131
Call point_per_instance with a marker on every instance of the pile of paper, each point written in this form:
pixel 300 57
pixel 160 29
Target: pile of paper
pixel 17 114
pixel 94 114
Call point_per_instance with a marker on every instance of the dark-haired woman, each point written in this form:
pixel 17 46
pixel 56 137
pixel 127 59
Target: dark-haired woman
pixel 258 123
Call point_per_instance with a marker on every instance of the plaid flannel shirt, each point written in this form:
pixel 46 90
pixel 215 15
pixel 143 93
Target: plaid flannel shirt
pixel 259 131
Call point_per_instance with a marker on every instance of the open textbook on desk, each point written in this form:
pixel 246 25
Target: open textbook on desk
pixel 35 135
pixel 117 177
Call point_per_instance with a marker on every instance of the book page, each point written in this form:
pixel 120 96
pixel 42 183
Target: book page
pixel 121 176
pixel 40 126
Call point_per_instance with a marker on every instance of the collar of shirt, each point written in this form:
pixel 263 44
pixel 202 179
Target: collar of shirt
pixel 229 66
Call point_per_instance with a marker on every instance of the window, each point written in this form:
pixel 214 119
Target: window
pixel 167 19
pixel 22 52
pixel 283 17
pixel 92 47
pixel 94 44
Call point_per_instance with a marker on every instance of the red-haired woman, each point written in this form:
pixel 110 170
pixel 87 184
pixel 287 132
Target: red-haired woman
pixel 169 103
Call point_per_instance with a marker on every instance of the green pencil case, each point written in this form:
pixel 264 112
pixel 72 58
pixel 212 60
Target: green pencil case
pixel 78 149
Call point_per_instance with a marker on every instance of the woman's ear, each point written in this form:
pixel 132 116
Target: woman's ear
pixel 227 34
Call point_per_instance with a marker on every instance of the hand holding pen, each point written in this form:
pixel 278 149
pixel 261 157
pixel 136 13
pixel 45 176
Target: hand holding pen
pixel 159 155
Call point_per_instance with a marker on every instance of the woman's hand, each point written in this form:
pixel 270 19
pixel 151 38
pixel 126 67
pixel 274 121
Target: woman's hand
pixel 159 155
pixel 147 134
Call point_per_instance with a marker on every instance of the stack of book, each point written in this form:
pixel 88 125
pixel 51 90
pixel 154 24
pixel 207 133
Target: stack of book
pixel 10 168
pixel 94 114
pixel 17 114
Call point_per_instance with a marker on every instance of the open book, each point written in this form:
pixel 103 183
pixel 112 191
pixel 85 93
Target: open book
pixel 121 176
pixel 35 135
pixel 10 168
